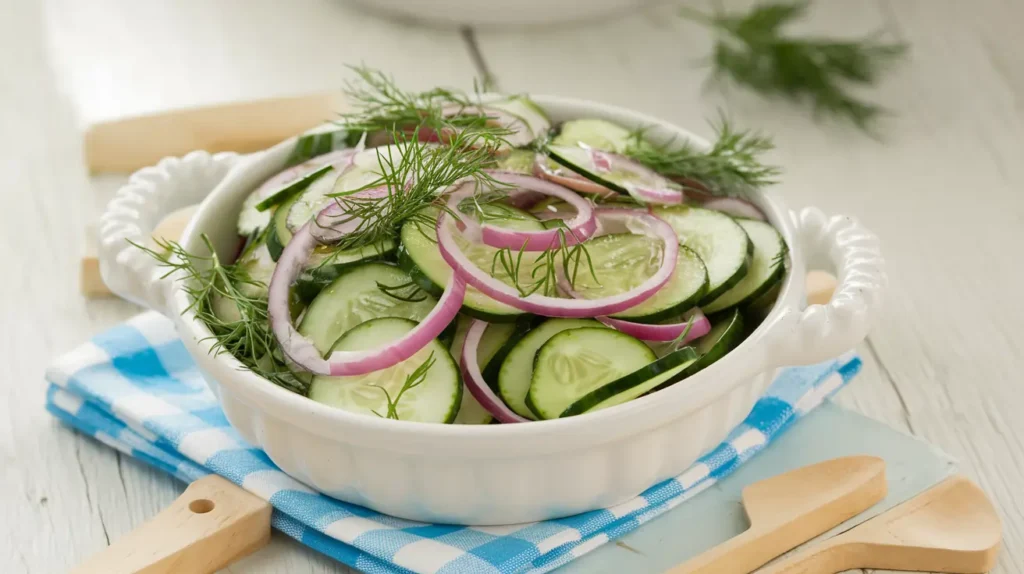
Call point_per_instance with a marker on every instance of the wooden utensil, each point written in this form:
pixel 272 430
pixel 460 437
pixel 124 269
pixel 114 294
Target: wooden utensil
pixel 129 144
pixel 791 508
pixel 212 524
pixel 951 527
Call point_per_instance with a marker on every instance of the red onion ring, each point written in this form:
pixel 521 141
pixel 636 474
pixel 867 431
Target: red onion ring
pixel 735 207
pixel 659 192
pixel 557 307
pixel 475 379
pixel 568 178
pixel 701 326
pixel 301 350
pixel 577 229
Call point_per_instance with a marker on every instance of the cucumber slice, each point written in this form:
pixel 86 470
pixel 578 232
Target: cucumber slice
pixel 491 369
pixel 355 298
pixel 766 267
pixel 471 412
pixel 622 175
pixel 595 133
pixel 365 171
pixel 727 332
pixel 575 362
pixel 419 256
pixel 328 263
pixel 255 261
pixel 624 261
pixel 322 139
pixel 250 219
pixel 315 142
pixel 516 369
pixel 518 161
pixel 718 240
pixel 646 379
pixel 435 400
pixel 278 235
pixel 493 339
pixel 530 113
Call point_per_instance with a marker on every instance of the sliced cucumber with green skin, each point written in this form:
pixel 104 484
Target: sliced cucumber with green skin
pixel 516 369
pixel 719 241
pixel 530 113
pixel 622 175
pixel 766 267
pixel 256 263
pixel 518 161
pixel 640 382
pixel 311 200
pixel 623 261
pixel 758 309
pixel 322 139
pixel 580 160
pixel 279 235
pixel 435 400
pixel 355 298
pixel 576 362
pixel 471 411
pixel 727 332
pixel 595 133
pixel 420 257
pixel 491 369
pixel 327 263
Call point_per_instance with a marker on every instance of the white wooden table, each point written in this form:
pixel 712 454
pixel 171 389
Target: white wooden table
pixel 945 191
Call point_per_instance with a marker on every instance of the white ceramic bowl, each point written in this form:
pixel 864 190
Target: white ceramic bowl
pixel 499 14
pixel 491 474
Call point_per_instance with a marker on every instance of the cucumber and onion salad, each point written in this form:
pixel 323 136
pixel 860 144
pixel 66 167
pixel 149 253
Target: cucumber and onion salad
pixel 561 278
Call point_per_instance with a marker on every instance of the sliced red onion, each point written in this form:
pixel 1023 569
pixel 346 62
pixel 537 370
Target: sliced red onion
pixel 301 350
pixel 648 187
pixel 568 178
pixel 701 326
pixel 611 221
pixel 475 379
pixel 340 160
pixel 577 229
pixel 736 207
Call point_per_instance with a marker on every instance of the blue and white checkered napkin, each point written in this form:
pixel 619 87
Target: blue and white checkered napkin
pixel 136 389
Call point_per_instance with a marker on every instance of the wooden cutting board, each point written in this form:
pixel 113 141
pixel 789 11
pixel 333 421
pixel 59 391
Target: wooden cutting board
pixel 717 514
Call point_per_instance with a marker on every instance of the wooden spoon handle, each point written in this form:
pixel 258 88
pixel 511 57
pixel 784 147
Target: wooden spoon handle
pixel 212 524
pixel 835 555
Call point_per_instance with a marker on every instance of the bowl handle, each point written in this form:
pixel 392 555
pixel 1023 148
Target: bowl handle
pixel 821 332
pixel 150 194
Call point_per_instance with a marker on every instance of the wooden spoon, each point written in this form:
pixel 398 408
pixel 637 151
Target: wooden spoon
pixel 212 524
pixel 951 527
pixel 791 508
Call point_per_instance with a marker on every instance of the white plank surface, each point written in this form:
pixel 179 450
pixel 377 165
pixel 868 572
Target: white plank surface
pixel 943 190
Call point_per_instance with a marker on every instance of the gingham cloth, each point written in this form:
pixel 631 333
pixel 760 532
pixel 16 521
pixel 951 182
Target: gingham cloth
pixel 136 389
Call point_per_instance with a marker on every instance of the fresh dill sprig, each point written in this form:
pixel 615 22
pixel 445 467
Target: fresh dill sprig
pixel 408 292
pixel 233 307
pixel 545 265
pixel 780 258
pixel 379 105
pixel 753 50
pixel 675 344
pixel 414 173
pixel 732 165
pixel 414 380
